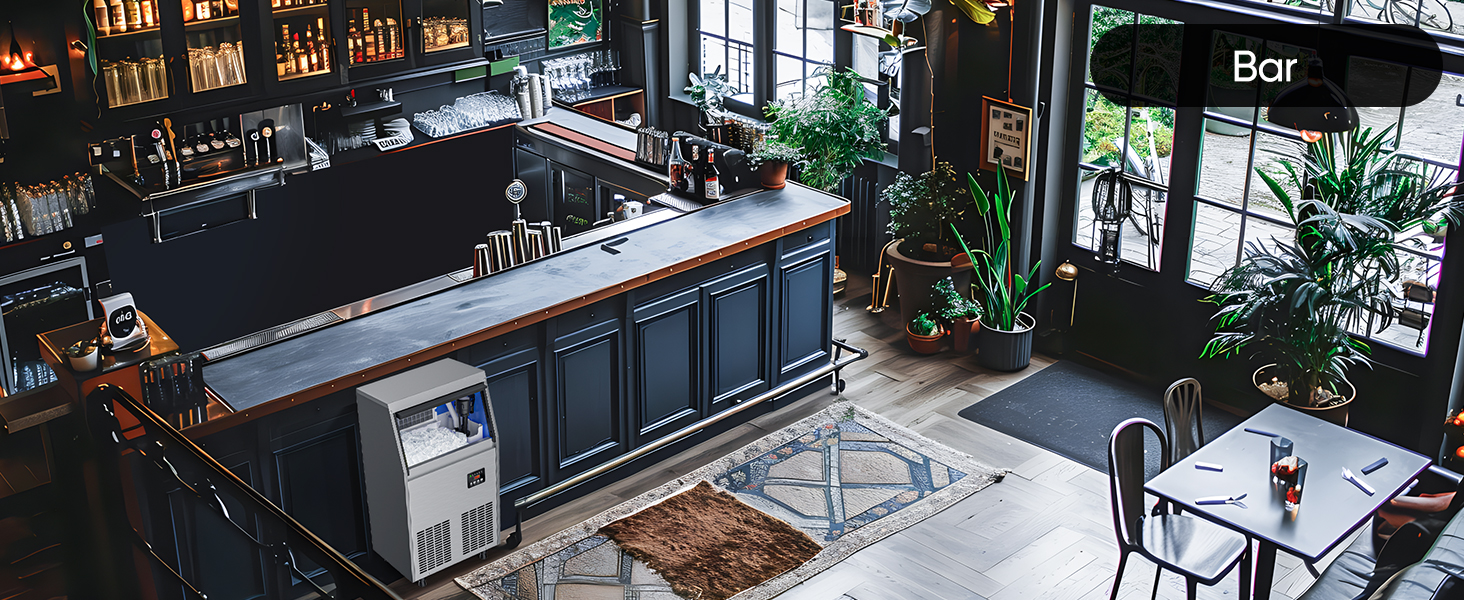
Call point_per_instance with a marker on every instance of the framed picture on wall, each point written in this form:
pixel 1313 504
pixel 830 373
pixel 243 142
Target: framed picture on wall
pixel 574 22
pixel 1006 133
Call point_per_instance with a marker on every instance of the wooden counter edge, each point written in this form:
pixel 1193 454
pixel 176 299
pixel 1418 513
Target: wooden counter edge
pixel 426 355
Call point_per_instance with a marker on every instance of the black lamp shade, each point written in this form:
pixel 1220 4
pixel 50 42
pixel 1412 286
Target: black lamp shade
pixel 1313 104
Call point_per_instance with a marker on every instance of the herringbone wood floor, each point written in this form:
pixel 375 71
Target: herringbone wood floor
pixel 1044 532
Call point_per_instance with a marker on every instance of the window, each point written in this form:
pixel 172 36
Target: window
pixel 1234 207
pixel 1128 123
pixel 804 41
pixel 727 43
pixel 768 50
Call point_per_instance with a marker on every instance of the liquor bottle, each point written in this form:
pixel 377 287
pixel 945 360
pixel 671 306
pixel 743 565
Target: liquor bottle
pixel 134 14
pixel 355 44
pixel 147 13
pixel 382 41
pixel 693 170
pixel 119 17
pixel 302 59
pixel 393 39
pixel 321 43
pixel 676 168
pixel 368 37
pixel 289 51
pixel 274 3
pixel 103 20
pixel 279 60
pixel 312 59
pixel 200 10
pixel 216 8
pixel 713 188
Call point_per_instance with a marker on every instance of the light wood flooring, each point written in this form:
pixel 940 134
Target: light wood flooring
pixel 1043 532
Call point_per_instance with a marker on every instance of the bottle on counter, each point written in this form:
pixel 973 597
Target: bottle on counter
pixel 321 43
pixel 712 187
pixel 693 170
pixel 147 13
pixel 676 168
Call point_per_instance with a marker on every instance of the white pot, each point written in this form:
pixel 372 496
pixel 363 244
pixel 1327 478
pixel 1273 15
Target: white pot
pixel 84 363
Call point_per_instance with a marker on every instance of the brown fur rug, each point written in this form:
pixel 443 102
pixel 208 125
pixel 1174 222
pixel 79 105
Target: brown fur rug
pixel 709 545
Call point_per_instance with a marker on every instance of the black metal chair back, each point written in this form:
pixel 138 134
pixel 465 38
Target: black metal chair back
pixel 1126 476
pixel 1184 424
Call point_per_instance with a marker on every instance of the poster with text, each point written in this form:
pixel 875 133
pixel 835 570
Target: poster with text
pixel 574 22
pixel 1007 130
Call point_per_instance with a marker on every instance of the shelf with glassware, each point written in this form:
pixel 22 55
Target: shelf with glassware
pixel 590 83
pixel 215 48
pixel 450 30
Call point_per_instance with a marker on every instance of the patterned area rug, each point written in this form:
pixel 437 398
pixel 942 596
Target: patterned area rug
pixel 845 476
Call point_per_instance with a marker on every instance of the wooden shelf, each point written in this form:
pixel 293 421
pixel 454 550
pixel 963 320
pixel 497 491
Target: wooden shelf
pixel 130 32
pixel 304 75
pixel 292 10
pixel 463 44
pixel 214 23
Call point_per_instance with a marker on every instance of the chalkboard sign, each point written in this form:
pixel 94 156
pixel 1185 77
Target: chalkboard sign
pixel 575 204
pixel 573 22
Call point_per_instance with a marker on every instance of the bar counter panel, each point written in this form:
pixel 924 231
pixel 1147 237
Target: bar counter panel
pixel 514 298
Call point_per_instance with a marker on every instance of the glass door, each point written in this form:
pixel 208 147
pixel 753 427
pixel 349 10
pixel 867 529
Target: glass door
pixel 214 44
pixel 130 52
pixel 451 31
pixel 375 33
pixel 303 46
pixel 34 302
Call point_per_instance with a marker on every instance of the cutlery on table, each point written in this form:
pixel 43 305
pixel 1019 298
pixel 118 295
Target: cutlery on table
pixel 1347 474
pixel 1382 462
pixel 1263 432
pixel 1222 500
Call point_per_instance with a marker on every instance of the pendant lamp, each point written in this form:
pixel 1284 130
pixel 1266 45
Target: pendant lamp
pixel 1313 106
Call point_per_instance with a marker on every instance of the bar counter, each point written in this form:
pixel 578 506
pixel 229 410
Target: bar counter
pixel 312 365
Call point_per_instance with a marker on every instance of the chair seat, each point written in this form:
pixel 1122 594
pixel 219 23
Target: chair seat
pixel 1191 545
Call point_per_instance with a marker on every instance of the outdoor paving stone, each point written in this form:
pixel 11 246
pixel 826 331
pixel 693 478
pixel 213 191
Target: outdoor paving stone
pixel 805 500
pixel 600 561
pixel 872 467
pixel 588 591
pixel 859 500
pixel 804 466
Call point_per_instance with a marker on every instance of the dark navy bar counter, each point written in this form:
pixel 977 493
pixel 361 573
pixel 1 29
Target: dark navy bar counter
pixel 589 354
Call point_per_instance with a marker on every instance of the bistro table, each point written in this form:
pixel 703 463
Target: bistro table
pixel 1331 507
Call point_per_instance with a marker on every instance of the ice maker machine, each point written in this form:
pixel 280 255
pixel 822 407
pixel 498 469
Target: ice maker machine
pixel 430 449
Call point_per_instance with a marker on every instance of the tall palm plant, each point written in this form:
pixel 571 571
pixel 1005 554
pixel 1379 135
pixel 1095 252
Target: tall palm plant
pixel 1297 301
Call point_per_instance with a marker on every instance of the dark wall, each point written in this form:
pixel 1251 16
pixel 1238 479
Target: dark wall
pixel 323 240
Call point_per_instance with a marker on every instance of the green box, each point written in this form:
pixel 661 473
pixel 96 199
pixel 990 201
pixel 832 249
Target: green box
pixel 470 73
pixel 505 66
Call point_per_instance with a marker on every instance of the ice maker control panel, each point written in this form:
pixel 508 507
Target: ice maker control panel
pixel 477 477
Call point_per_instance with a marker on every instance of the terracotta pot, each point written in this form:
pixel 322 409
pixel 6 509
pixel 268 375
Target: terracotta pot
pixel 915 278
pixel 961 332
pixel 1007 350
pixel 774 174
pixel 924 344
pixel 1335 414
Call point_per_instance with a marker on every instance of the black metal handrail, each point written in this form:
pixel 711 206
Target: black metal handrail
pixel 351 582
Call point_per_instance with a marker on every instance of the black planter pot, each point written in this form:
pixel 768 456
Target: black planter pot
pixel 915 278
pixel 1006 350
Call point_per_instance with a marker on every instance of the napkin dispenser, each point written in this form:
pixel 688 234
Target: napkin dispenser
pixel 122 329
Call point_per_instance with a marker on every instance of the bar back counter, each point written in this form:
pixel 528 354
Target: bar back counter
pixel 633 332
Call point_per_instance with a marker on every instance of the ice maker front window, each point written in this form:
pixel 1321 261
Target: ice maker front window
pixel 428 432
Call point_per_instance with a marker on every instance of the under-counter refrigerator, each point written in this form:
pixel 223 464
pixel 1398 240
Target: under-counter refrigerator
pixel 430 448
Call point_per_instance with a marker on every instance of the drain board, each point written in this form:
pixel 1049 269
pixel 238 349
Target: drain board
pixel 271 335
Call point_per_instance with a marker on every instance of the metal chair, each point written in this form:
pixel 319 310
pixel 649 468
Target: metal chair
pixel 1201 551
pixel 1181 408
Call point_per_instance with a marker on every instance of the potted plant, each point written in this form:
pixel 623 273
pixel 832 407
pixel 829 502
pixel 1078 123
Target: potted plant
pixel 835 128
pixel 707 94
pixel 1001 293
pixel 772 159
pixel 1295 303
pixel 961 314
pixel 921 210
pixel 82 355
pixel 924 334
